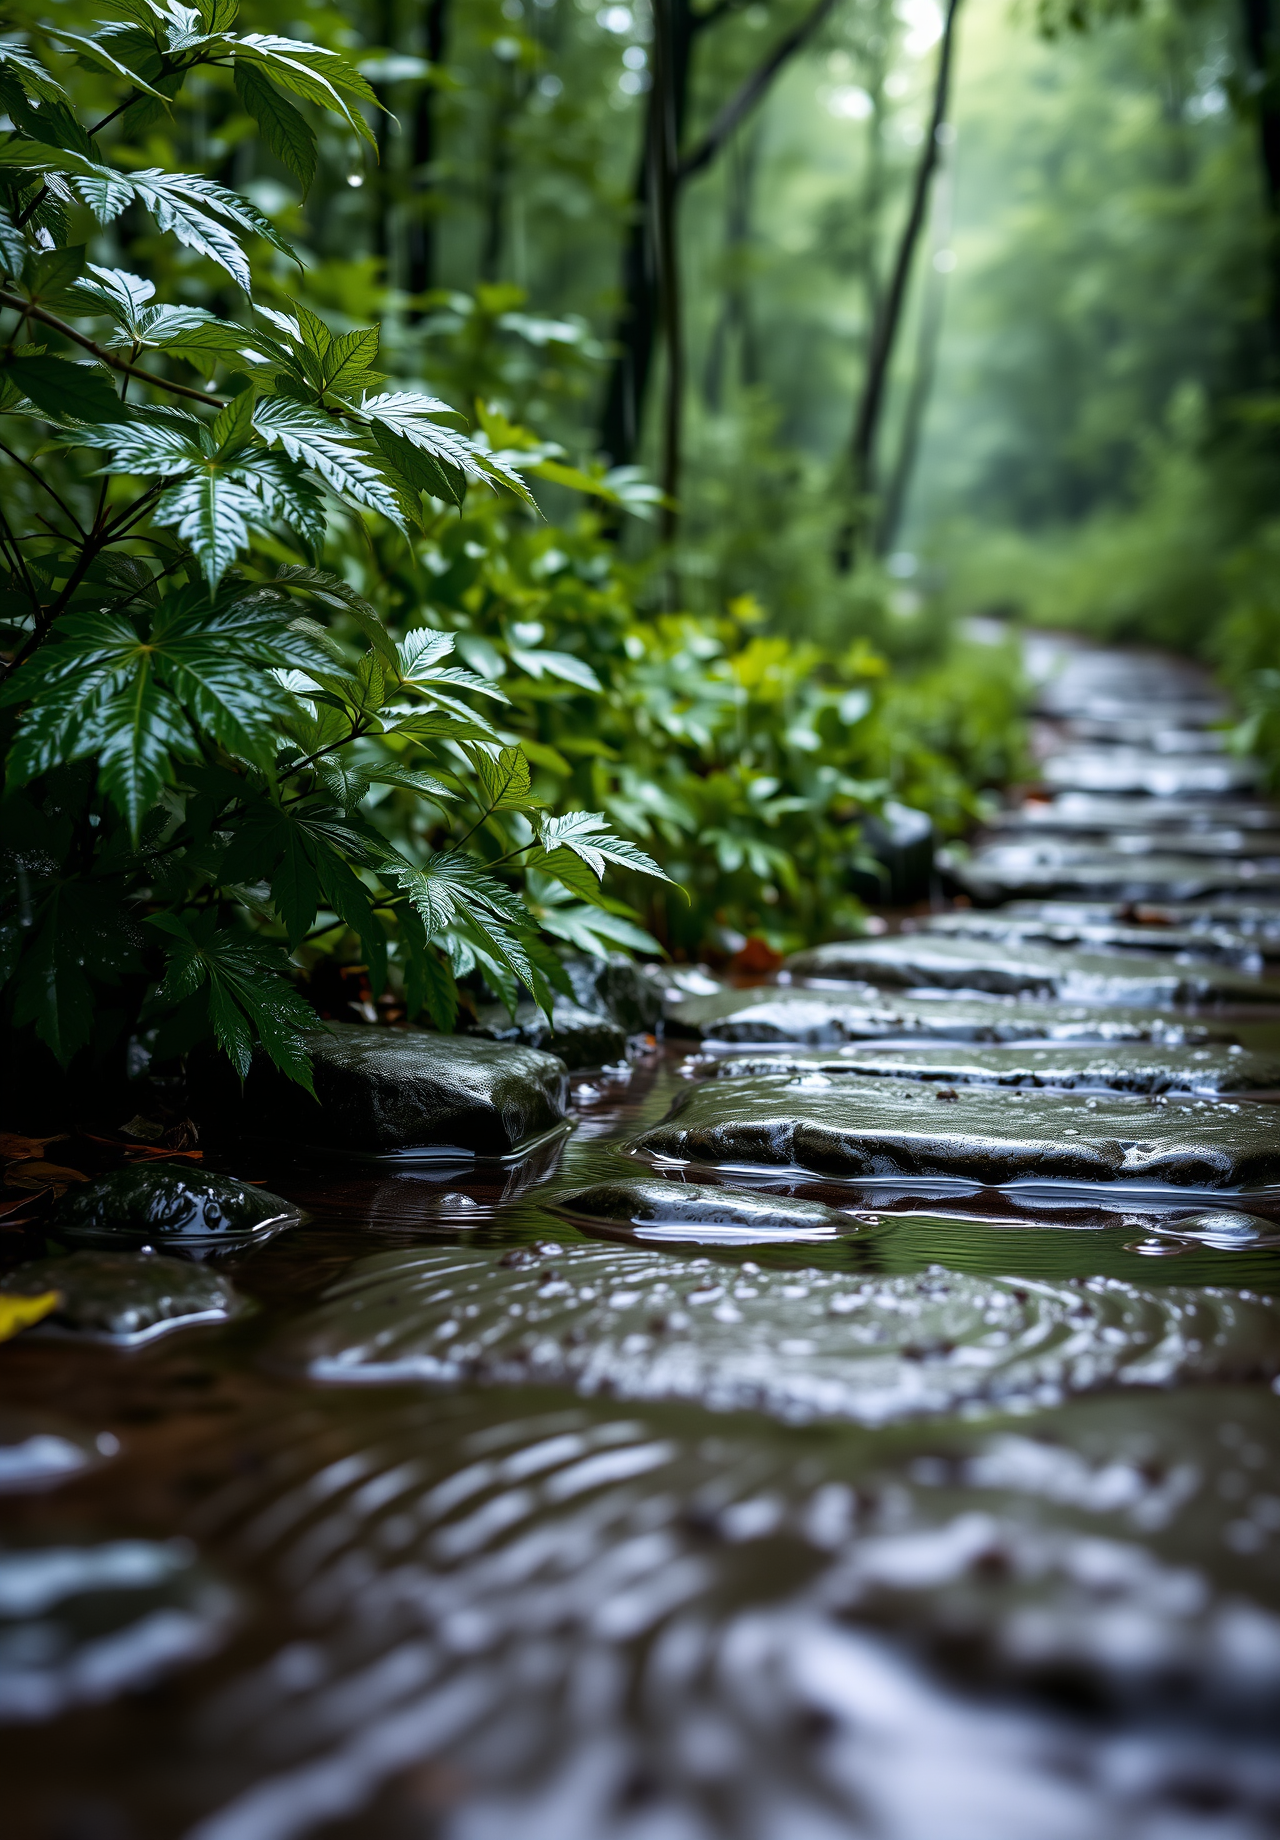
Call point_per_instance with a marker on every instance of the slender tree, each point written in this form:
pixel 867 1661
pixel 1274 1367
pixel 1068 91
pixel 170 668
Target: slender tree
pixel 1263 54
pixel 734 319
pixel 895 498
pixel 421 251
pixel 859 520
pixel 643 313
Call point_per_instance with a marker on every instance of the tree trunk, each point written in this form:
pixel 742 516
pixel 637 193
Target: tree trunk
pixel 859 521
pixel 664 151
pixel 421 256
pixel 1259 24
pixel 895 498
pixel 734 319
pixel 636 328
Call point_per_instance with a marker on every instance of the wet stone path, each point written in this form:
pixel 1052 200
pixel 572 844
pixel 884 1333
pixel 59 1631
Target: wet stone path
pixel 862 1422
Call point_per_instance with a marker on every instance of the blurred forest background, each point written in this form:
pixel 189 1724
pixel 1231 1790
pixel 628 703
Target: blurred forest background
pixel 1077 419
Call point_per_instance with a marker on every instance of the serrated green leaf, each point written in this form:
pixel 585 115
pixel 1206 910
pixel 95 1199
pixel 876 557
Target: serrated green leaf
pixel 247 987
pixel 449 886
pixel 287 133
pixel 332 451
pixel 503 773
pixel 62 390
pixel 338 594
pixel 587 834
pixel 31 73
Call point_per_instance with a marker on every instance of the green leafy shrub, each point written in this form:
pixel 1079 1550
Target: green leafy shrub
pixel 203 725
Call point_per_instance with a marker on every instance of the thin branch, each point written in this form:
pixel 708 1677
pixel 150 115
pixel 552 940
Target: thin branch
pixel 12 546
pixel 750 92
pixel 100 352
pixel 40 480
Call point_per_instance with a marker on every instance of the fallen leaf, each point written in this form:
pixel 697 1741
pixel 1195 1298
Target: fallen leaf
pixel 17 1204
pixel 18 1313
pixel 34 1174
pixel 15 1148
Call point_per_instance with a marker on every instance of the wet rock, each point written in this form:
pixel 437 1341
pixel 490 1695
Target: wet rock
pixel 1220 1230
pixel 698 1211
pixel 1121 770
pixel 1217 840
pixel 169 1204
pixel 580 1037
pixel 1257 921
pixel 942 962
pixel 1132 1068
pixel 126 1296
pixel 1212 946
pixel 818 1344
pixel 618 987
pixel 1095 814
pixel 1076 680
pixel 822 1019
pixel 38 1451
pixel 401 1092
pixel 82 1624
pixel 895 1128
pixel 1008 870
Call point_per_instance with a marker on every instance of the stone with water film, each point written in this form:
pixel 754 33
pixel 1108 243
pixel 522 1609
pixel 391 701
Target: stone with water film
pixel 581 1037
pixel 397 1092
pixel 695 1209
pixel 637 1324
pixel 1087 813
pixel 876 1128
pixel 821 1018
pixel 1216 945
pixel 1258 921
pixel 157 1203
pixel 1003 871
pixel 1125 1067
pixel 1015 969
pixel 1129 770
pixel 125 1297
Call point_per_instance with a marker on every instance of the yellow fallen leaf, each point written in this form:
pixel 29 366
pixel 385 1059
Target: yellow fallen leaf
pixel 18 1313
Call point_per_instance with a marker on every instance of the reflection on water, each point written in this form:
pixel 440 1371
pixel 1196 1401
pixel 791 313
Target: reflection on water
pixel 638 1540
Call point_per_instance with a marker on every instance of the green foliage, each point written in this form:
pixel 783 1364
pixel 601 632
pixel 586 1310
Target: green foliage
pixel 202 722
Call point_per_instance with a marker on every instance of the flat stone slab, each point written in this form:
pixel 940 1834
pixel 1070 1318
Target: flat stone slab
pixel 581 1037
pixel 643 1325
pixel 163 1204
pixel 1128 1067
pixel 1007 870
pixel 874 1128
pixel 1169 776
pixel 1212 945
pixel 703 1211
pixel 81 1624
pixel 930 961
pixel 1092 813
pixel 1255 920
pixel 819 1019
pixel 406 1093
pixel 125 1297
pixel 1219 841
